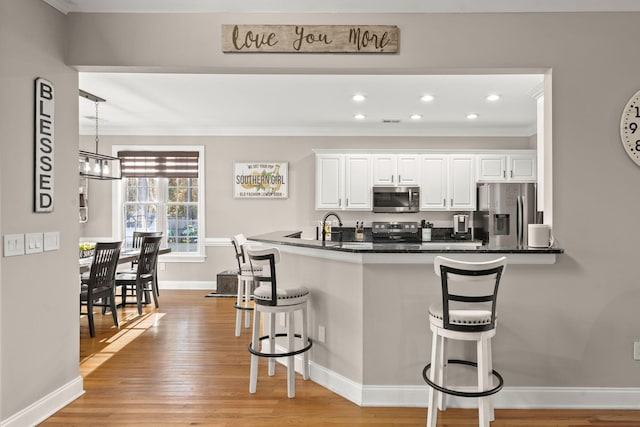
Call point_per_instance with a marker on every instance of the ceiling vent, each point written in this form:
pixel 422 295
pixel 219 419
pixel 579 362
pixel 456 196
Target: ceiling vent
pixel 389 121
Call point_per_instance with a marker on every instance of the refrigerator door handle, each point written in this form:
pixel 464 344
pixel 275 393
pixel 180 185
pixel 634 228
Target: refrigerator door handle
pixel 520 221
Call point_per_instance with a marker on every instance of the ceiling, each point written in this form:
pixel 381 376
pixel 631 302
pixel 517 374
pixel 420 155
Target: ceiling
pixel 344 6
pixel 200 104
pixel 205 104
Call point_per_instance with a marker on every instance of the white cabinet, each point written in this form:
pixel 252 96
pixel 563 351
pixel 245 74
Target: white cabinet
pixel 343 182
pixel 329 181
pixel 507 167
pixel 357 188
pixel 447 182
pixel 434 177
pixel 396 169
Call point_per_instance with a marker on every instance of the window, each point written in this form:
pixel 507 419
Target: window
pixel 161 191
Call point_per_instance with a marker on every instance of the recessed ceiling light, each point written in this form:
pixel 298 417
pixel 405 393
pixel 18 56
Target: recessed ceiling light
pixel 359 117
pixel 358 97
pixel 427 98
pixel 472 116
pixel 416 116
pixel 493 97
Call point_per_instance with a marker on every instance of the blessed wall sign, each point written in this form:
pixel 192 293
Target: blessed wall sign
pixel 44 146
pixel 310 38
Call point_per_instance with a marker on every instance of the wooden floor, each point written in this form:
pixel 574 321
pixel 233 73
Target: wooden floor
pixel 181 365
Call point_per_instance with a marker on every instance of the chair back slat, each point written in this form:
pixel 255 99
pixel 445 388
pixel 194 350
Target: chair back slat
pixel 258 259
pixel 238 242
pixel 138 237
pixel 469 286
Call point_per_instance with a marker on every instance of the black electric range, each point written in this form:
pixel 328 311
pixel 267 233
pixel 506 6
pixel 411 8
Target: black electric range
pixel 395 232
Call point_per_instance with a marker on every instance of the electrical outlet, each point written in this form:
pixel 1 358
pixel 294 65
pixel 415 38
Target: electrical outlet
pixel 636 350
pixel 321 333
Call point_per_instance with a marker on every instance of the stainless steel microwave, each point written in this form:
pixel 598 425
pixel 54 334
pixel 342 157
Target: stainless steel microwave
pixel 396 199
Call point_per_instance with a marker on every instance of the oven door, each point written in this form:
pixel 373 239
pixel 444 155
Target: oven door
pixel 396 199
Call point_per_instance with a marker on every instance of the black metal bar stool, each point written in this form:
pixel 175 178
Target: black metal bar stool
pixel 468 313
pixel 271 300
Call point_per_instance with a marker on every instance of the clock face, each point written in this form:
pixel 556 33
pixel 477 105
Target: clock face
pixel 630 128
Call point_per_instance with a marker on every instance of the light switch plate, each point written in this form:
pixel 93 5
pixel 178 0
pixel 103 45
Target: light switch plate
pixel 33 243
pixel 52 241
pixel 13 244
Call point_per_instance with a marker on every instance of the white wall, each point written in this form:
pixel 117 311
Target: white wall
pixel 39 322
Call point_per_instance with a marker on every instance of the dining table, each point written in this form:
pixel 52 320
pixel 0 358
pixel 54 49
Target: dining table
pixel 126 255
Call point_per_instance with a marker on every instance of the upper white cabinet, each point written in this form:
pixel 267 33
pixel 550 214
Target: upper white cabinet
pixel 343 182
pixel 357 188
pixel 507 167
pixel 447 182
pixel 396 169
pixel 329 181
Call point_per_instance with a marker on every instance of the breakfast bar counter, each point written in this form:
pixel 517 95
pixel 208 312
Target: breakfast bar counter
pixel 368 309
pixel 403 253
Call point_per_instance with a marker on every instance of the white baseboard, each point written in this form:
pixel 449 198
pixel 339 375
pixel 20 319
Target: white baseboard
pixel 208 285
pixel 507 398
pixel 47 406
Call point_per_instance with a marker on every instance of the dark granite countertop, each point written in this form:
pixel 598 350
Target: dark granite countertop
pixel 292 238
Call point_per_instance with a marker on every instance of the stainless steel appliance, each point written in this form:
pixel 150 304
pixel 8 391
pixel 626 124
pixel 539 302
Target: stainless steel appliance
pixel 396 199
pixel 461 227
pixel 395 232
pixel 504 212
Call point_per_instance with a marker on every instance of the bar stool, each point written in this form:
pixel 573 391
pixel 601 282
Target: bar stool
pixel 271 299
pixel 468 313
pixel 245 283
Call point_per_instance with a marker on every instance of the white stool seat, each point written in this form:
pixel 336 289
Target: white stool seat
pixel 291 296
pixel 459 317
pixel 467 312
pixel 271 300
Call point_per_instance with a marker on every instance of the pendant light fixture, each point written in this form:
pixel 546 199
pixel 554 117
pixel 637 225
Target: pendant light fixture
pixel 96 165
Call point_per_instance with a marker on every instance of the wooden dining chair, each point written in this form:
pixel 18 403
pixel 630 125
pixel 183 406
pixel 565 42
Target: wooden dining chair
pixel 136 243
pixel 99 289
pixel 144 279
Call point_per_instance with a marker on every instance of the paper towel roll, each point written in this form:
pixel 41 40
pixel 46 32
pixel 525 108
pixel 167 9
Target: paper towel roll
pixel 539 236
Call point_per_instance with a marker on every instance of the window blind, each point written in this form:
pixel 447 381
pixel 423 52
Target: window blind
pixel 159 164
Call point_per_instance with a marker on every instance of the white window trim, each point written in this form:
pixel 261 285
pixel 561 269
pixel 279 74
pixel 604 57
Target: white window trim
pixel 117 196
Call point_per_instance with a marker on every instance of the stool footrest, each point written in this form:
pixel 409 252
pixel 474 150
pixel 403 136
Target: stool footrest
pixel 458 393
pixel 291 353
pixel 241 307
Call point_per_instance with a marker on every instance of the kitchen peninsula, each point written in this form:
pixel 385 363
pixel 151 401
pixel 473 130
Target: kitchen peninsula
pixel 368 308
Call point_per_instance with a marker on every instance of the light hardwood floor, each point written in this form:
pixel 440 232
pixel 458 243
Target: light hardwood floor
pixel 181 365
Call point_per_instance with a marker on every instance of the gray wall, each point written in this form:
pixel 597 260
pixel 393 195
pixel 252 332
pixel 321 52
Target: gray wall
pixel 576 320
pixel 226 216
pixel 39 345
pixel 573 316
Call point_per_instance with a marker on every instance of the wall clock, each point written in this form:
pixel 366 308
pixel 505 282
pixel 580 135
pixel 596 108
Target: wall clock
pixel 630 128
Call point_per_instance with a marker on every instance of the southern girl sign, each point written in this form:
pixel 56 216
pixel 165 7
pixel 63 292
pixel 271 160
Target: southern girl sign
pixel 261 180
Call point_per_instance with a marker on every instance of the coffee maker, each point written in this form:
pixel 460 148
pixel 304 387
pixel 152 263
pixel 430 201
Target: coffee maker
pixel 461 227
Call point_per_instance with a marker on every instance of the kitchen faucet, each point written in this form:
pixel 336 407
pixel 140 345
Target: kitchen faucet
pixel 324 221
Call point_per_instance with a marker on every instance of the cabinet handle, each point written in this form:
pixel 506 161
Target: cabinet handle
pixel 511 174
pixel 444 202
pixel 451 203
pixel 392 179
pixel 504 174
pixel 339 202
pixel 399 178
pixel 347 203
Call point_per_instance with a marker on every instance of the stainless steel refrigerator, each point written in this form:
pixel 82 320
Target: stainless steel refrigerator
pixel 504 212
